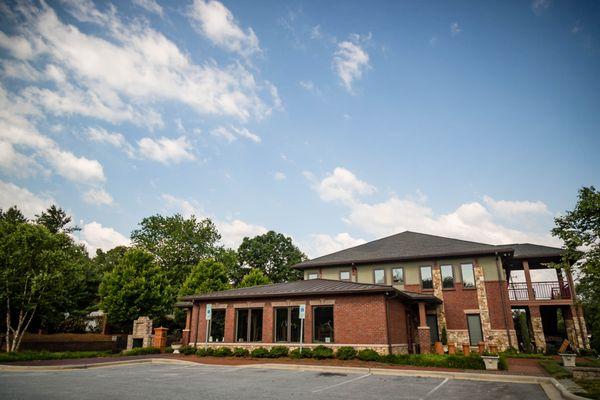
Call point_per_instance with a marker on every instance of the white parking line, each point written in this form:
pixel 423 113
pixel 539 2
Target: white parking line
pixel 432 391
pixel 341 383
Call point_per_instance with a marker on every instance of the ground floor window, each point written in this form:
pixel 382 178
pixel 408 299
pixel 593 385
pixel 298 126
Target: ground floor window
pixel 432 323
pixel 474 325
pixel 248 325
pixel 287 324
pixel 323 324
pixel 217 326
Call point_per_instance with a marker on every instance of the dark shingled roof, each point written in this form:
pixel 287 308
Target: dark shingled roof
pixel 528 250
pixel 403 246
pixel 184 304
pixel 307 288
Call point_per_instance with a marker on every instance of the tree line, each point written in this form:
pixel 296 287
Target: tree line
pixel 49 281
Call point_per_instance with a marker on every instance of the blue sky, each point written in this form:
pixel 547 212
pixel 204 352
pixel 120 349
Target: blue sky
pixel 332 122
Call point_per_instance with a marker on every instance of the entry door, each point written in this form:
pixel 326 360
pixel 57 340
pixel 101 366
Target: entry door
pixel 474 324
pixel 432 323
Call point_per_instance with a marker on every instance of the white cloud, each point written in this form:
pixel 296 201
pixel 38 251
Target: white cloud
pixel 279 176
pixel 15 163
pixel 150 6
pixel 511 208
pixel 165 150
pixel 469 221
pixel 539 6
pixel 350 61
pixel 98 197
pixel 115 139
pixel 95 236
pixel 309 86
pixel 341 185
pixel 232 231
pixel 231 133
pixel 315 32
pixel 217 23
pixel 326 244
pixel 30 204
pixel 151 69
pixel 455 28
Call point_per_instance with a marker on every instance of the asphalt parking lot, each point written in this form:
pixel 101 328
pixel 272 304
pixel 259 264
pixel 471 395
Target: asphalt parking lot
pixel 161 381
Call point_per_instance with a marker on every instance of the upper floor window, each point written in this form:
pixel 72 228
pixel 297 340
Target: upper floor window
pixel 447 276
pixel 468 275
pixel 313 275
pixel 344 275
pixel 379 276
pixel 398 276
pixel 426 278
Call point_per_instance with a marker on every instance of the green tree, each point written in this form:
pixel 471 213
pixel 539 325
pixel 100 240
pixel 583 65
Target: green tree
pixel 177 243
pixel 105 261
pixel 38 272
pixel 135 287
pixel 254 278
pixel 272 253
pixel 580 231
pixel 56 220
pixel 235 271
pixel 207 276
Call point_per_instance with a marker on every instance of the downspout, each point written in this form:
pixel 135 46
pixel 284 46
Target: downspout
pixel 500 280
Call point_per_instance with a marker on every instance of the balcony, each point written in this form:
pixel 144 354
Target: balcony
pixel 541 291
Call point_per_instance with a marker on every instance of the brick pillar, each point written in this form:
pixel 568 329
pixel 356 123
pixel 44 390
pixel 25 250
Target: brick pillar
pixel 185 334
pixel 194 323
pixel 538 328
pixel 229 324
pixel 202 322
pixel 160 338
pixel 267 327
pixel 423 331
pixel 308 323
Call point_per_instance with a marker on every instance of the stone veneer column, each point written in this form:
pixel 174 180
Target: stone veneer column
pixel 438 292
pixel 423 331
pixel 484 311
pixel 538 328
pixel 572 332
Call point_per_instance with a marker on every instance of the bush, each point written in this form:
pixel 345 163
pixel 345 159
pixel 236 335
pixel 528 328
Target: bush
pixel 240 352
pixel 306 353
pixel 368 355
pixel 260 352
pixel 279 351
pixel 205 352
pixel 223 352
pixel 322 352
pixel 555 369
pixel 138 351
pixel 345 353
pixel 168 349
pixel 187 350
pixel 503 363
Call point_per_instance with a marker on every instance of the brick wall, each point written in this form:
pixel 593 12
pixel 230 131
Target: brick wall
pixel 456 301
pixel 397 322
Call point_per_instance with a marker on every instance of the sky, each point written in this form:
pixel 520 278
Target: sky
pixel 332 122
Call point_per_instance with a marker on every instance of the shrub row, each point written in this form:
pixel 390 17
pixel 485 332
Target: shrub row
pixel 139 351
pixel 47 355
pixel 472 361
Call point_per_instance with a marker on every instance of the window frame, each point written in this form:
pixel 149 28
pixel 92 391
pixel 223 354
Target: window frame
pixel 249 324
pixel 393 281
pixel 375 276
pixel 452 274
pixel 421 276
pixel 349 275
pixel 210 325
pixel 314 320
pixel 462 277
pixel 316 274
pixel 289 324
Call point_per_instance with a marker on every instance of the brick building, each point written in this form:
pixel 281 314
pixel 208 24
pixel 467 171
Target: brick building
pixel 399 294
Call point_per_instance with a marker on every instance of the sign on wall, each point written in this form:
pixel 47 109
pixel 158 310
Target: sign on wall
pixel 302 311
pixel 208 312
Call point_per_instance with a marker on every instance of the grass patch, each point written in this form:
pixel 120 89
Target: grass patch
pixel 47 355
pixel 591 386
pixel 140 351
pixel 589 362
pixel 437 360
pixel 555 369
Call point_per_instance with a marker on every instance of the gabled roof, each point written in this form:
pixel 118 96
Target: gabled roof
pixel 404 246
pixel 307 288
pixel 528 250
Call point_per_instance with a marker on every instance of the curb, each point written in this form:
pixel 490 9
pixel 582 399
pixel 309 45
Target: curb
pixel 564 392
pixel 25 368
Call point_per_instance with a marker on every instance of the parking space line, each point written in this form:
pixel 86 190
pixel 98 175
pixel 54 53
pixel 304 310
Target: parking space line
pixel 341 383
pixel 432 391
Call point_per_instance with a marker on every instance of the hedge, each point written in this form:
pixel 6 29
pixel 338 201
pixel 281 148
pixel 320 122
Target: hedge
pixel 260 352
pixel 47 355
pixel 322 352
pixel 368 355
pixel 138 351
pixel 345 353
pixel 279 351
pixel 306 353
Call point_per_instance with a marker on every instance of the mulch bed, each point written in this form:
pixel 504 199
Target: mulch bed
pixel 516 366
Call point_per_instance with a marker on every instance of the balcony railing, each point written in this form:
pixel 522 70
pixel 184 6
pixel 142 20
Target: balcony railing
pixel 541 291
